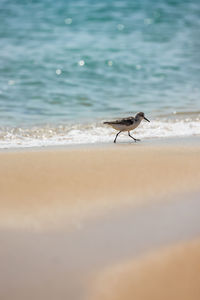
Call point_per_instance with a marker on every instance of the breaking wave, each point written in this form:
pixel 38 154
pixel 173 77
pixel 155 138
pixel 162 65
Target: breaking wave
pixel 94 133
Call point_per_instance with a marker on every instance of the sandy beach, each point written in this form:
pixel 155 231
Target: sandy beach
pixel 171 273
pixel 71 215
pixel 40 187
pixel 82 217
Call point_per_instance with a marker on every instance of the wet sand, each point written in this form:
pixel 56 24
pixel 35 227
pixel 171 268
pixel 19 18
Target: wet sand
pixel 66 215
pixel 44 188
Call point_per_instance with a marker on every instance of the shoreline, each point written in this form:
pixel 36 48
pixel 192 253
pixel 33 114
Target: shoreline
pixel 50 135
pixel 69 213
pixel 188 141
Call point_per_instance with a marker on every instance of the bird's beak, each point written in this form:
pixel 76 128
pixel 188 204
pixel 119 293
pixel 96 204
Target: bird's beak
pixel 146 119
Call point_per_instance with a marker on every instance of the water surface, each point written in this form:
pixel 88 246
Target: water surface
pixel 64 63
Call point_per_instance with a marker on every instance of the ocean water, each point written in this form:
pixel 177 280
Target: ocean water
pixel 66 66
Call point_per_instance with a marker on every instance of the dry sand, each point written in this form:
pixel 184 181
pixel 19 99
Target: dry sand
pixel 68 213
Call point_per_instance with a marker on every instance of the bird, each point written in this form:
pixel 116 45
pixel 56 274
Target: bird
pixel 127 124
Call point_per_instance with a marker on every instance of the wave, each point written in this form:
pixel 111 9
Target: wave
pixel 93 133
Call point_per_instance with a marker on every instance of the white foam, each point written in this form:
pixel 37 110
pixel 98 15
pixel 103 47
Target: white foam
pixel 92 133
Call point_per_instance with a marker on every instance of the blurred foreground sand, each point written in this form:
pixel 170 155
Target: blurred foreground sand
pixel 61 210
pixel 171 273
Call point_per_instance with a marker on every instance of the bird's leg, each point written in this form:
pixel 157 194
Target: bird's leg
pixel 116 136
pixel 136 140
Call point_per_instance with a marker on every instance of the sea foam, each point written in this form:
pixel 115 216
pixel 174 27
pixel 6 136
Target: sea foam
pixel 41 136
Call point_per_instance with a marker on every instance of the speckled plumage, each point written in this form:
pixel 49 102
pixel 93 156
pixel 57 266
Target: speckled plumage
pixel 127 124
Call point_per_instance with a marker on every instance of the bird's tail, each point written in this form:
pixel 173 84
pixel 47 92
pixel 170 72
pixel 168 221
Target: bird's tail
pixel 107 123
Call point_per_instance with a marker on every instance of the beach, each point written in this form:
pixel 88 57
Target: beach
pixel 72 215
pixel 171 273
pixel 91 179
pixel 82 218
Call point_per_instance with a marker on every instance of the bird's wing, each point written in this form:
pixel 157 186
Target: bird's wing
pixel 125 121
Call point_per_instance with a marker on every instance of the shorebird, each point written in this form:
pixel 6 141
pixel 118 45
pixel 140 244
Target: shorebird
pixel 127 124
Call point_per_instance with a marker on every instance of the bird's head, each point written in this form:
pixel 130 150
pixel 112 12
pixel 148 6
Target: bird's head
pixel 141 116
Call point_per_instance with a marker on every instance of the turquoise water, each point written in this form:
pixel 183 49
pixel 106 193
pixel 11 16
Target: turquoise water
pixel 66 62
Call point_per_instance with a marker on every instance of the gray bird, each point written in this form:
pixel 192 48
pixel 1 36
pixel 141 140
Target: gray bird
pixel 127 124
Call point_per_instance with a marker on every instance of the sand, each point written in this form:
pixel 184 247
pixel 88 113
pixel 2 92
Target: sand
pixel 171 273
pixel 70 217
pixel 41 188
